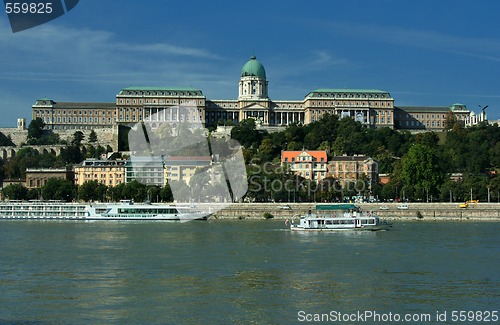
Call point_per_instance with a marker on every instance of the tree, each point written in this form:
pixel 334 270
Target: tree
pixel 246 133
pixel 350 137
pixel 72 154
pixel 58 189
pixel 15 192
pixel 266 150
pixel 93 152
pixel 134 191
pixel 26 158
pixel 450 120
pixel 6 140
pixel 38 136
pixel 495 187
pixel 153 193
pixel 92 191
pixel 92 137
pixel 166 194
pixel 35 129
pixel 329 190
pixel 429 139
pixel 420 172
pixel 388 192
pixel 116 193
pixel 2 170
pixel 78 137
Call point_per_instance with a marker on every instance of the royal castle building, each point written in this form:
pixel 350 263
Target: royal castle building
pixel 371 107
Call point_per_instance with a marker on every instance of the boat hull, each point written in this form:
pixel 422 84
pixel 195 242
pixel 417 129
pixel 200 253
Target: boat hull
pixel 108 218
pixel 370 228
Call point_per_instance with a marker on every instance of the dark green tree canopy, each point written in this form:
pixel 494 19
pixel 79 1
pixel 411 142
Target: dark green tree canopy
pixel 58 189
pixel 92 137
pixel 35 128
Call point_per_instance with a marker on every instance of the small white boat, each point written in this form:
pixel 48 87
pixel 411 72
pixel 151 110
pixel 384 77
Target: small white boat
pixel 340 217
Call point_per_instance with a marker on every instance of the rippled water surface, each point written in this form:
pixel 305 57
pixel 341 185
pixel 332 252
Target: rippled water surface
pixel 240 272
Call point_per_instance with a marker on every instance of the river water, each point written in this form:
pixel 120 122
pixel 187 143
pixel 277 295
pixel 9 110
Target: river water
pixel 245 272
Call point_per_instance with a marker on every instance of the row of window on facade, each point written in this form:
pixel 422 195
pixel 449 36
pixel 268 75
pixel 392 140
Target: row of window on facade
pixel 424 123
pixel 306 165
pixel 108 182
pixel 147 109
pixel 79 127
pixel 115 175
pixel 79 112
pixel 163 93
pixel 48 120
pixel 339 168
pixel 315 175
pixel 218 105
pixel 322 175
pixel 366 104
pixel 322 111
pixel 376 120
pixel 422 116
pixel 154 101
pixel 344 95
pixel 304 158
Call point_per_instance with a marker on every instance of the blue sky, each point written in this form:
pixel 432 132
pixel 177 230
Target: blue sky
pixel 422 52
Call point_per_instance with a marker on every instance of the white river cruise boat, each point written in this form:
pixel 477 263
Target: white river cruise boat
pixel 339 217
pixel 125 210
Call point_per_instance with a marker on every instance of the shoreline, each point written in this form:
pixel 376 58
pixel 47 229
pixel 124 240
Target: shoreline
pixel 488 212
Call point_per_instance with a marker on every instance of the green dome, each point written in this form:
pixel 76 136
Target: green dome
pixel 253 68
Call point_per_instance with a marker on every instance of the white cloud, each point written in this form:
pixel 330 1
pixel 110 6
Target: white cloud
pixel 311 61
pixel 87 65
pixel 58 53
pixel 166 49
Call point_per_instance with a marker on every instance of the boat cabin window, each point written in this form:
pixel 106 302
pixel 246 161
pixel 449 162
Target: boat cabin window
pixel 147 211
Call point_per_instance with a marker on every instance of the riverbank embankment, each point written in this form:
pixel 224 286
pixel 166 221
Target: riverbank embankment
pixel 386 211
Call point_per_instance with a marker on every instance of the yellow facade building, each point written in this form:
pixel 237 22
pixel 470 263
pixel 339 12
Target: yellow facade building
pixel 107 172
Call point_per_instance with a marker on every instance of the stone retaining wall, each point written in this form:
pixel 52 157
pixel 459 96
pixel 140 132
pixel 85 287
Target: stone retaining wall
pixel 17 136
pixel 105 137
pixel 415 211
